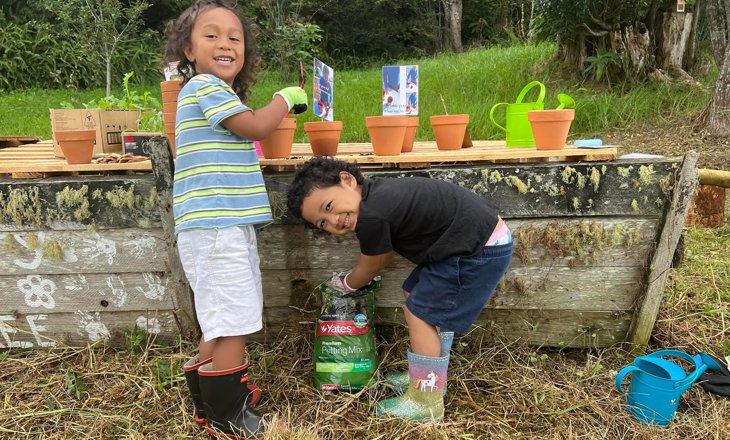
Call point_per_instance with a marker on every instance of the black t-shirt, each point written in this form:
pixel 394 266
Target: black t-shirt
pixel 424 220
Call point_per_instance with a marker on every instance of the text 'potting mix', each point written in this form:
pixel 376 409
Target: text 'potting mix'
pixel 344 345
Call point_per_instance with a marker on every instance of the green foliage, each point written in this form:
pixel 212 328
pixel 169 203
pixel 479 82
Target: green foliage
pixel 286 45
pixel 166 373
pixel 73 385
pixel 599 64
pixel 489 75
pixel 103 24
pixel 151 119
pixel 571 18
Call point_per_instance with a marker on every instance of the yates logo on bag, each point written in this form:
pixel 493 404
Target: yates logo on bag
pixel 340 328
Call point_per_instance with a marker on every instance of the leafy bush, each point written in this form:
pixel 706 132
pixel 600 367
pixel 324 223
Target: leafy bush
pixel 151 115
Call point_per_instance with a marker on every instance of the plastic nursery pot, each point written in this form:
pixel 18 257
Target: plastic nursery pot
pixel 449 130
pixel 550 127
pixel 324 136
pixel 77 145
pixel 169 107
pixel 279 143
pixel 410 135
pixel 171 86
pixel 386 133
pixel 169 118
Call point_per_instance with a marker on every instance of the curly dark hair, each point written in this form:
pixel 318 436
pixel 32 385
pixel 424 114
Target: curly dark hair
pixel 318 172
pixel 178 37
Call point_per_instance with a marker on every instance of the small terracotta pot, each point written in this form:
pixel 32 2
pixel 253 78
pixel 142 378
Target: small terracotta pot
pixel 386 133
pixel 173 85
pixel 550 127
pixel 323 136
pixel 449 130
pixel 77 145
pixel 410 135
pixel 279 143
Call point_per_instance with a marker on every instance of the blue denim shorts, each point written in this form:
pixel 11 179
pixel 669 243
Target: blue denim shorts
pixel 450 294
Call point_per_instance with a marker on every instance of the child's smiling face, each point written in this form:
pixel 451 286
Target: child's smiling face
pixel 334 209
pixel 217 44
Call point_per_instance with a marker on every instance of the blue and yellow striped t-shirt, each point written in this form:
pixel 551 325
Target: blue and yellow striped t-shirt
pixel 218 181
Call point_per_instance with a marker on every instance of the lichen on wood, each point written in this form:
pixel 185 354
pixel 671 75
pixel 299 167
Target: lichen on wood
pixel 53 250
pixel 10 245
pixel 21 206
pixel 75 199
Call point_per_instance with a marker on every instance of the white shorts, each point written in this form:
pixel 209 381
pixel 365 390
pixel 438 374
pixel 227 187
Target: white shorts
pixel 222 267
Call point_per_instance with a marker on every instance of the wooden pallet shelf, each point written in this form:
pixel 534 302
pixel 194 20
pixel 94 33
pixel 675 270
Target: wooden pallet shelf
pixel 37 160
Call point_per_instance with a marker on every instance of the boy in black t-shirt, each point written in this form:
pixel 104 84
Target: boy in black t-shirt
pixel 460 245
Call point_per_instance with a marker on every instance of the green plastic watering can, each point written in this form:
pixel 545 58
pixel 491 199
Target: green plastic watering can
pixel 517 126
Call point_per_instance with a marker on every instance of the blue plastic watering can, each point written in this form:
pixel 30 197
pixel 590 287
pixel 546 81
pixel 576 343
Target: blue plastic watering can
pixel 657 385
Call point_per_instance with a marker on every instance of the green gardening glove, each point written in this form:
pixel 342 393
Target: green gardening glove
pixel 296 99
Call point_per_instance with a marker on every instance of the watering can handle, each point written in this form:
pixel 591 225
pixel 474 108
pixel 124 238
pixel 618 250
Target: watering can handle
pixel 700 367
pixel 491 115
pixel 621 374
pixel 527 88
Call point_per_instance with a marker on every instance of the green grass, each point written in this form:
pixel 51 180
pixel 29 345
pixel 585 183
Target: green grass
pixel 470 83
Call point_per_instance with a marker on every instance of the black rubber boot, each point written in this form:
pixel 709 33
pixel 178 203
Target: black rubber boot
pixel 191 377
pixel 226 400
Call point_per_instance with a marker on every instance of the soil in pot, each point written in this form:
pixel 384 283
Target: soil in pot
pixel 77 145
pixel 449 130
pixel 550 127
pixel 410 135
pixel 386 133
pixel 324 136
pixel 279 143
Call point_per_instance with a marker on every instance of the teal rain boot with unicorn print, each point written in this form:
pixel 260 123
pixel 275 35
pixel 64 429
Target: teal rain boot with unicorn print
pixel 398 380
pixel 423 401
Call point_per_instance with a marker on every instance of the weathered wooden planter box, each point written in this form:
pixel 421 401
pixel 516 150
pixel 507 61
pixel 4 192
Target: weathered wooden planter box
pixel 88 258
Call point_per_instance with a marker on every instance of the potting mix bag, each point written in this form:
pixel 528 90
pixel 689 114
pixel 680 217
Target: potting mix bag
pixel 344 346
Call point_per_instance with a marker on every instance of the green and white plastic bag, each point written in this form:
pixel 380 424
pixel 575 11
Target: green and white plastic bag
pixel 344 345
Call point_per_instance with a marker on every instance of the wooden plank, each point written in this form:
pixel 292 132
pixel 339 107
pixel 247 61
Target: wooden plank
pixel 362 153
pixel 584 288
pixel 96 251
pixel 43 330
pixel 621 188
pixel 661 261
pixel 87 292
pixel 163 171
pixel 67 203
pixel 553 242
pixel 557 328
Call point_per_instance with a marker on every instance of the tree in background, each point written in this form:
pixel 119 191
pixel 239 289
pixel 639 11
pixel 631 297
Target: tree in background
pixel 624 39
pixel 453 10
pixel 101 25
pixel 718 15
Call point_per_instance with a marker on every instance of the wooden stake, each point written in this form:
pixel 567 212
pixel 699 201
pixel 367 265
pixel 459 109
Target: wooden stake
pixel 664 247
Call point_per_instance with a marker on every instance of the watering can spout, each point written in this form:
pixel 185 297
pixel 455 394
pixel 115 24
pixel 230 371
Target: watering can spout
pixel 566 101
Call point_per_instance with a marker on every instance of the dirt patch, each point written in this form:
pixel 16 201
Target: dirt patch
pixel 672 138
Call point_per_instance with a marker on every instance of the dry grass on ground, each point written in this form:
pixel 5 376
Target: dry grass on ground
pixel 673 137
pixel 497 390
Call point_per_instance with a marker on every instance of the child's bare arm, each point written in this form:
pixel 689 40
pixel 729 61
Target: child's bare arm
pixel 260 123
pixel 367 268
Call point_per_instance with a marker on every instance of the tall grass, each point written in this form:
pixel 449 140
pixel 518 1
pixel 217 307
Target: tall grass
pixel 470 83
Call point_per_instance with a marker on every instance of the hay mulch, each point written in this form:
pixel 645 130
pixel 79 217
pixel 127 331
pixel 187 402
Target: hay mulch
pixel 496 390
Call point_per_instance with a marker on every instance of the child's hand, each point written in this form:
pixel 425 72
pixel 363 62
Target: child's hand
pixel 296 99
pixel 338 282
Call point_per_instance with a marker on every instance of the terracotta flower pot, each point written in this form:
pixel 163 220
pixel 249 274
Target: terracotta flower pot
pixel 410 135
pixel 323 136
pixel 173 85
pixel 449 130
pixel 77 145
pixel 169 107
pixel 386 133
pixel 550 127
pixel 279 143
